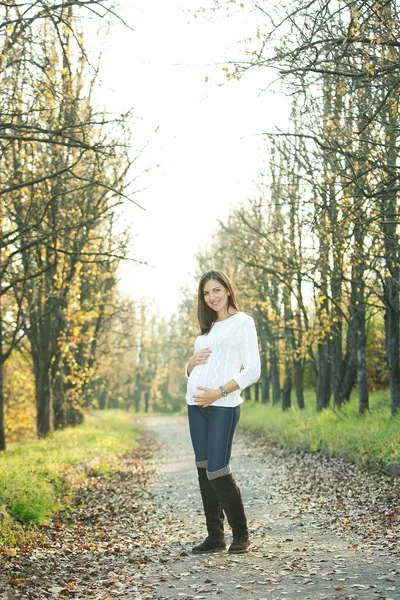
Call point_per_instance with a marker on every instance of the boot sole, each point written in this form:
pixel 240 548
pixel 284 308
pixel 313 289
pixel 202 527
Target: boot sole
pixel 241 550
pixel 209 551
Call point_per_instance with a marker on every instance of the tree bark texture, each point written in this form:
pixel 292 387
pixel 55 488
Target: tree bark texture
pixel 363 399
pixel 392 342
pixel 289 349
pixel 43 396
pixel 390 212
pixel 274 375
pixel 264 376
pixel 2 399
pixel 299 382
pixel 350 360
pixel 59 410
pixel 324 375
pixel 2 430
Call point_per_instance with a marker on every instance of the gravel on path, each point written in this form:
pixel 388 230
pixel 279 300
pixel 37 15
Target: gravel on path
pixel 321 529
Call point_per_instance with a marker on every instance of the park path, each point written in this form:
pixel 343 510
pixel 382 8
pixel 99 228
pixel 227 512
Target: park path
pixel 321 529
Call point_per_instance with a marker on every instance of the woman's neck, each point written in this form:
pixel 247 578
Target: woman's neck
pixel 225 315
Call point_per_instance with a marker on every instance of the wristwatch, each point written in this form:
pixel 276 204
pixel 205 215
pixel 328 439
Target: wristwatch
pixel 223 391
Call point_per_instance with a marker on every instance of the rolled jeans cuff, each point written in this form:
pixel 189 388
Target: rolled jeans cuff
pixel 203 464
pixel 220 473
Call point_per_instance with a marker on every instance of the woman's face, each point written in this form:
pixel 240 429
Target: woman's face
pixel 216 295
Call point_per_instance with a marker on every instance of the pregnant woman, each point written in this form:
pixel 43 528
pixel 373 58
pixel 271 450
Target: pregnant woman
pixel 226 360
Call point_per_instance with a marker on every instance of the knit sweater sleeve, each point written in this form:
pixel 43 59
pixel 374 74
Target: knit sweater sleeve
pixel 187 365
pixel 250 355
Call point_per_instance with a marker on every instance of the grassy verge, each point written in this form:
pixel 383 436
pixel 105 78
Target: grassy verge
pixel 36 477
pixel 372 440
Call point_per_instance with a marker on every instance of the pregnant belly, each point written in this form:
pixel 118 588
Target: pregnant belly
pixel 200 376
pixel 193 382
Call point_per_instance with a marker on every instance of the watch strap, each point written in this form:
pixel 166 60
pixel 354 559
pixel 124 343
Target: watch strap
pixel 223 391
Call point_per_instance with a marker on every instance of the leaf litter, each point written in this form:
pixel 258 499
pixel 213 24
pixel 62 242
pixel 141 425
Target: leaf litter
pixel 321 529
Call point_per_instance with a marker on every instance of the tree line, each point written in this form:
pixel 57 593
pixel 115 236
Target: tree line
pixel 69 340
pixel 314 254
pixel 64 174
pixel 317 253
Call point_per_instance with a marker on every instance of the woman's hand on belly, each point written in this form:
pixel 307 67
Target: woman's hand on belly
pixel 208 397
pixel 198 358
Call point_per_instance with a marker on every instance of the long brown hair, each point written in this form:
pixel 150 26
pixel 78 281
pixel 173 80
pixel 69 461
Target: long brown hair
pixel 206 315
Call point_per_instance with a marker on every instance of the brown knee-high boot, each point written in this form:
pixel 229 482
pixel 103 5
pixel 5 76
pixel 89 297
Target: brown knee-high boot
pixel 231 500
pixel 215 541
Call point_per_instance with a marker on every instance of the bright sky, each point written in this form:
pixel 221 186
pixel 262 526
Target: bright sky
pixel 170 70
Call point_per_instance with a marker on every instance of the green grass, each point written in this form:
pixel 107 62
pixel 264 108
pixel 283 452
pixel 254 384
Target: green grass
pixel 372 439
pixel 36 478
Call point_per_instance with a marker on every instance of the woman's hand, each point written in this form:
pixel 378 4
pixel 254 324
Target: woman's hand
pixel 210 395
pixel 199 358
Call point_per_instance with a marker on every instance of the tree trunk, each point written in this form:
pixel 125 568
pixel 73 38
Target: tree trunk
pixel 102 399
pixel 324 350
pixel 324 375
pixel 2 432
pixel 299 382
pixel 337 353
pixel 392 344
pixel 264 377
pixel 360 312
pixel 40 335
pixel 136 400
pixel 289 349
pixel 59 412
pixel 363 400
pixel 323 215
pixel 274 376
pixel 350 361
pixel 390 211
pixel 146 401
pixel 287 387
pixel 43 397
pixel 356 367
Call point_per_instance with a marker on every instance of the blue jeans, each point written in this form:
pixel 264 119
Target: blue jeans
pixel 211 430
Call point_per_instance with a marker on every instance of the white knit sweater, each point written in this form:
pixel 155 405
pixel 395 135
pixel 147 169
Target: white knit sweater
pixel 234 345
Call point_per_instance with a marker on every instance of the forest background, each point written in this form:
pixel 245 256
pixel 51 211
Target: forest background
pixel 314 253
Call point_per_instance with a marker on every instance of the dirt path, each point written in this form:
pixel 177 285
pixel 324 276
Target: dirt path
pixel 320 529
